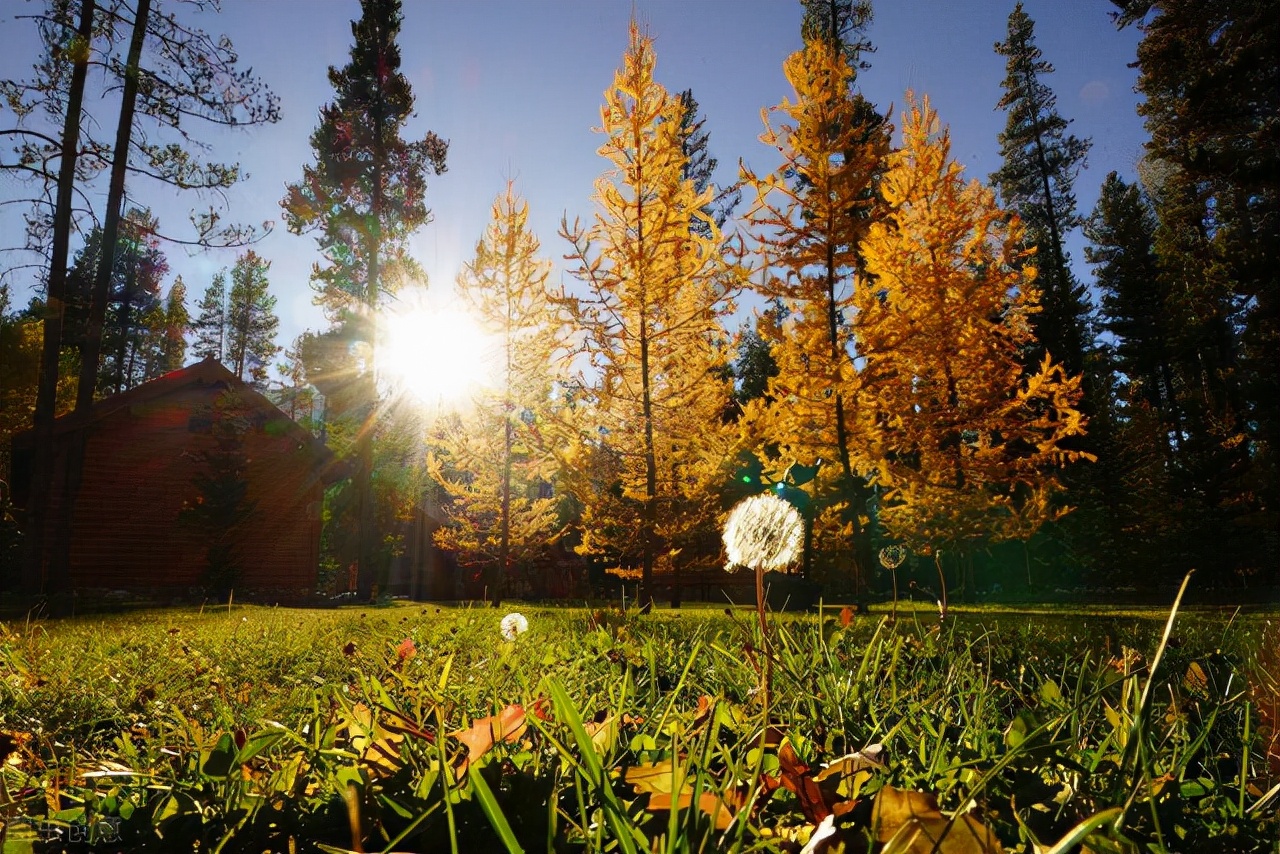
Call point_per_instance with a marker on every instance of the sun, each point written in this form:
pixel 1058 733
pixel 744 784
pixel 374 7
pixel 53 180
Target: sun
pixel 439 355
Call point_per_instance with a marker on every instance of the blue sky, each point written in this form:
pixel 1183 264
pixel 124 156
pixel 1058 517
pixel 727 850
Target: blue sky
pixel 516 86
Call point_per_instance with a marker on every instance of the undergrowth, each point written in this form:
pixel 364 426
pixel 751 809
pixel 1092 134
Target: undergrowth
pixel 416 728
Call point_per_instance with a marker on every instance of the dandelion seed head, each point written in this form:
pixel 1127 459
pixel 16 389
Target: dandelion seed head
pixel 514 624
pixel 763 532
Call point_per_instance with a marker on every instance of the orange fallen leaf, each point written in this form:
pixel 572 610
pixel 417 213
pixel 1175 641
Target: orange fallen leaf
pixel 406 650
pixel 720 813
pixel 507 725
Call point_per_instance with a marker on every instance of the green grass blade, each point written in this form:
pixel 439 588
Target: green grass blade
pixel 615 815
pixel 1083 829
pixel 493 812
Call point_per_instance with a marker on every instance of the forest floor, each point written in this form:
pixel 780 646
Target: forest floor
pixel 416 727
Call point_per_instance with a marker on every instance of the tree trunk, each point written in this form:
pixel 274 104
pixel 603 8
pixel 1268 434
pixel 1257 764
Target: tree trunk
pixel 649 520
pixel 124 375
pixel 59 572
pixel 852 488
pixel 677 565
pixel 55 310
pixel 368 539
pixel 504 532
pixel 111 219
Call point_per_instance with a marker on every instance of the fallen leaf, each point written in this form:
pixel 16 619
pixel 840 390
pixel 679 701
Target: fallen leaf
pixel 655 777
pixel 406 650
pixel 666 783
pixel 1196 680
pixel 378 748
pixel 507 725
pixel 796 777
pixel 912 822
pixel 710 804
pixel 604 733
pixel 706 705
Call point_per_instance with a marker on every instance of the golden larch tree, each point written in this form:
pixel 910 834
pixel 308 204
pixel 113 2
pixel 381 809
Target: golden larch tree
pixel 967 439
pixel 808 216
pixel 492 460
pixel 655 293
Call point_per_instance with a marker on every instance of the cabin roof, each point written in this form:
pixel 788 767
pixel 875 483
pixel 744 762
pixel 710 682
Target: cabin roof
pixel 207 372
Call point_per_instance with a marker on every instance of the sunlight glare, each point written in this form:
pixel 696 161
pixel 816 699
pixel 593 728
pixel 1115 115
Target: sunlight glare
pixel 439 355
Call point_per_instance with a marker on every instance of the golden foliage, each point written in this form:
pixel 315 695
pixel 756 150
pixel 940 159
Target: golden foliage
pixel 650 446
pixel 494 461
pixel 965 437
pixel 808 216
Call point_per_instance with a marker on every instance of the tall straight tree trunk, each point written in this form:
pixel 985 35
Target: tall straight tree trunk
pixel 367 540
pixel 364 451
pixel 111 219
pixel 852 486
pixel 1074 360
pixel 98 307
pixel 55 311
pixel 504 530
pixel 649 519
pixel 504 527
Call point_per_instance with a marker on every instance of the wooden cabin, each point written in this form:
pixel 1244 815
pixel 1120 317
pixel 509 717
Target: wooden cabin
pixel 156 459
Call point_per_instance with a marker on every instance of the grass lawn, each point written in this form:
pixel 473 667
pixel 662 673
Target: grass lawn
pixel 421 728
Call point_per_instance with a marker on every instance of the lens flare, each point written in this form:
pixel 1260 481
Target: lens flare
pixel 439 355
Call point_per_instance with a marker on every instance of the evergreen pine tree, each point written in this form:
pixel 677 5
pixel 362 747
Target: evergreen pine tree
pixel 1136 309
pixel 251 320
pixel 211 323
pixel 363 197
pixel 842 24
pixel 133 298
pixel 700 166
pixel 296 395
pixel 1211 90
pixel 1041 161
pixel 167 326
pixel 1147 430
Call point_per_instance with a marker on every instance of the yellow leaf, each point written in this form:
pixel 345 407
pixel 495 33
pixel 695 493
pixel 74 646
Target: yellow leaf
pixel 911 823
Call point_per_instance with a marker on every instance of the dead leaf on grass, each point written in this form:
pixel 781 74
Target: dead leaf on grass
pixel 507 725
pixel 604 733
pixel 911 823
pixel 378 747
pixel 667 783
pixel 796 777
pixel 708 802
